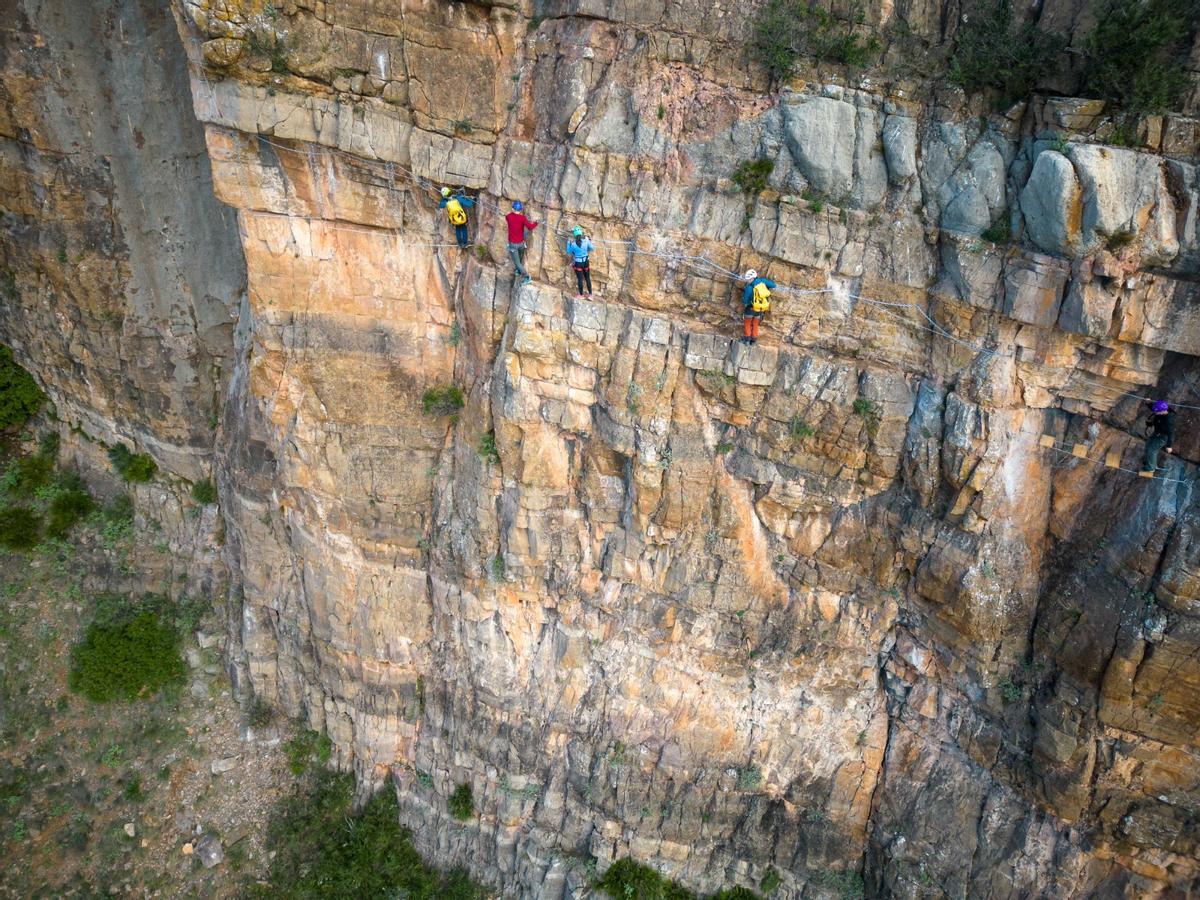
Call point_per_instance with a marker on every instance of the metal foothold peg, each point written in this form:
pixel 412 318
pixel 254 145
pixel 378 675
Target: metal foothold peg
pixel 1046 440
pixel 1079 450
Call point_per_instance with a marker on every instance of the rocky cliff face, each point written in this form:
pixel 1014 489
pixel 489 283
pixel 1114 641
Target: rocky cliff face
pixel 828 604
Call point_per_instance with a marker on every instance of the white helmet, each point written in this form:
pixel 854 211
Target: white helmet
pixel 751 274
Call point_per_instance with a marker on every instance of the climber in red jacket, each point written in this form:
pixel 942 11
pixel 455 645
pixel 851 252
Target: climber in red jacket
pixel 518 224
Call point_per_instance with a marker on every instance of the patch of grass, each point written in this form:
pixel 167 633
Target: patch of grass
pixel 751 176
pixel 498 569
pixel 869 412
pixel 735 893
pixel 626 880
pixel 723 448
pixel 455 336
pixel 487 448
pixel 308 750
pixel 1136 56
pixel 20 397
pixel 445 400
pixel 264 40
pixel 990 53
pixel 69 504
pixel 749 777
pixel 799 429
pixel 770 881
pixel 998 232
pixel 126 658
pixel 133 467
pixel 462 803
pixel 323 849
pixel 20 528
pixel 28 475
pixel 785 31
pixel 848 885
pixel 1010 691
pixel 1119 239
pixel 204 493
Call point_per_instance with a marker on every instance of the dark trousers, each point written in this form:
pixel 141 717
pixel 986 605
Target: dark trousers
pixel 1153 445
pixel 460 232
pixel 583 271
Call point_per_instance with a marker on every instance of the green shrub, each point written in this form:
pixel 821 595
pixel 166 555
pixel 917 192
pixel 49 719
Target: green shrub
pixel 126 658
pixel 749 777
pixel 770 881
pixel 20 396
pixel 487 448
pixel 134 467
pixel 799 429
pixel 261 713
pixel 626 879
pixel 998 232
pixel 735 893
pixel 990 53
pixel 751 176
pixel 849 885
pixel 20 528
pixel 462 803
pixel 324 850
pixel 1136 56
pixel 308 750
pixel 1010 691
pixel 869 412
pixel 443 401
pixel 787 30
pixel 27 475
pixel 67 508
pixel 204 493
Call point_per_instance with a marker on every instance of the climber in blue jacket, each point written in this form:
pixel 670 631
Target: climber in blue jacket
pixel 752 312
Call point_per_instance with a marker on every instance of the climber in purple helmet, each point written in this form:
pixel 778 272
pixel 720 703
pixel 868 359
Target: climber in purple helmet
pixel 1160 433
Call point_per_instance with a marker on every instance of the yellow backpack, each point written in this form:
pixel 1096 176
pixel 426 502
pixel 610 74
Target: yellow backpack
pixel 454 209
pixel 761 300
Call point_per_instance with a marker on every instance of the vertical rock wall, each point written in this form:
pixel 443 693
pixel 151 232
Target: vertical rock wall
pixel 825 605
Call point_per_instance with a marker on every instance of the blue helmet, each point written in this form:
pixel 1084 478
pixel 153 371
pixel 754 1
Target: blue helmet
pixel 518 205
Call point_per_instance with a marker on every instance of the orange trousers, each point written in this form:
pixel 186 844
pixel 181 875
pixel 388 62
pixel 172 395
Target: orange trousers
pixel 750 326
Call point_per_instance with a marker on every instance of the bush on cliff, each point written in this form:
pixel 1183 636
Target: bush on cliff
pixel 20 396
pixel 324 850
pixel 20 528
pixel 990 53
pixel 785 31
pixel 626 879
pixel 1136 56
pixel 443 401
pixel 126 653
pixel 135 467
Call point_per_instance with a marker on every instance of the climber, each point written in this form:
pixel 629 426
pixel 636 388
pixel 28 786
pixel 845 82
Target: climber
pixel 517 226
pixel 1160 433
pixel 756 300
pixel 578 249
pixel 456 207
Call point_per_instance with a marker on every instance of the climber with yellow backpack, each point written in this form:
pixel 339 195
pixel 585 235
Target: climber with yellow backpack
pixel 756 300
pixel 456 206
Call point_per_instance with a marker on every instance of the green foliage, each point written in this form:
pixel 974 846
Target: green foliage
pixel 133 467
pixel 264 40
pixel 787 30
pixel 68 506
pixel 799 429
pixel 20 396
pixel 751 176
pixel 499 572
pixel 998 232
pixel 443 401
pixel 261 713
pixel 20 528
pixel 723 448
pixel 27 475
pixel 204 493
pixel 749 777
pixel 126 657
pixel 869 412
pixel 462 803
pixel 1010 691
pixel 770 881
pixel 308 750
pixel 990 53
pixel 849 885
pixel 1118 239
pixel 455 335
pixel 735 893
pixel 324 850
pixel 1136 56
pixel 487 448
pixel 629 880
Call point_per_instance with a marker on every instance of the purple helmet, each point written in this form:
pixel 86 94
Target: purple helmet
pixel 1160 406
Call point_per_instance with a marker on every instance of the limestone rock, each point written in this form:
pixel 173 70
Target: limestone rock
pixel 1051 203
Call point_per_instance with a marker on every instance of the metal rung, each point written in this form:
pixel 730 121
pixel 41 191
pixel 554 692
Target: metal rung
pixel 1113 459
pixel 1079 450
pixel 1146 474
pixel 1046 440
